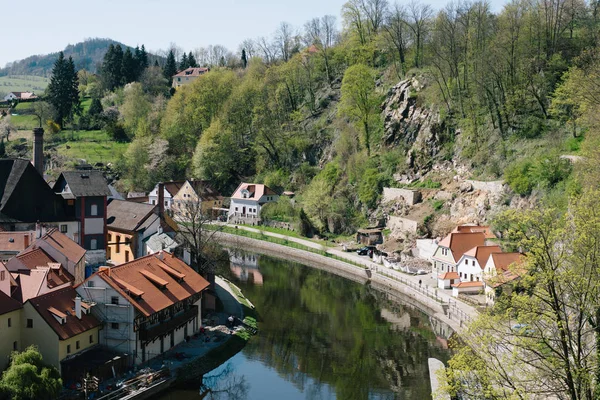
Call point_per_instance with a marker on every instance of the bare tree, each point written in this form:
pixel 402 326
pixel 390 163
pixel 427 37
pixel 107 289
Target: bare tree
pixel 375 11
pixel 322 34
pixel 43 111
pixel 267 48
pixel 6 128
pixel 395 29
pixel 251 48
pixel 284 37
pixel 420 16
pixel 202 56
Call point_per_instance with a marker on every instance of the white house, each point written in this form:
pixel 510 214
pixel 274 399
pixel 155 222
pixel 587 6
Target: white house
pixel 471 264
pixel 248 199
pixel 499 269
pixel 447 279
pixel 146 306
pixel 20 96
pixel 450 250
pixel 170 190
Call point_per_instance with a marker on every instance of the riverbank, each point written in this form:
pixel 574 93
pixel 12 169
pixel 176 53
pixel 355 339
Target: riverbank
pixel 438 305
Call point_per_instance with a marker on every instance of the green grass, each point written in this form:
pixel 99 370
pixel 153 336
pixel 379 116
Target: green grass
pixel 85 104
pixel 23 83
pixel 92 146
pixel 293 234
pixel 24 122
pixel 24 106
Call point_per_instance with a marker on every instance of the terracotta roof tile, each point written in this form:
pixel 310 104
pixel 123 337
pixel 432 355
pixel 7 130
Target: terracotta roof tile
pixel 468 284
pixel 486 230
pixel 482 253
pixel 503 261
pixel 63 301
pixel 459 243
pixel 192 71
pixel 35 257
pixel 16 241
pixel 256 190
pixel 448 275
pixel 132 281
pixel 64 245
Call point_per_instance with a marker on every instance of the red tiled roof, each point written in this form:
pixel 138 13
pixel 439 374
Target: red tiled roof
pixel 192 71
pixel 486 230
pixel 148 285
pixel 502 261
pixel 173 187
pixel 64 245
pixel 482 253
pixel 63 301
pixel 8 304
pixel 468 284
pixel 448 275
pixel 16 241
pixel 35 257
pixel 256 190
pixel 459 243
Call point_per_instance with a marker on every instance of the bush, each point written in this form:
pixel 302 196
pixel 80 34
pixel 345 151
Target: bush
pixel 517 177
pixel 545 172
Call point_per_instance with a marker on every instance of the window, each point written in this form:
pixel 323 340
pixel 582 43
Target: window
pixel 94 210
pixel 166 203
pixel 77 346
pixel 114 325
pixel 178 79
pixel 63 228
pixel 2 275
pixel 153 202
pixel 93 244
pixel 68 349
pixel 29 323
pixel 236 209
pixel 118 244
pixel 91 338
pixel 466 262
pixel 9 322
pixel 109 237
pixel 15 346
pixel 126 256
pixel 90 283
pixel 473 262
pixel 114 300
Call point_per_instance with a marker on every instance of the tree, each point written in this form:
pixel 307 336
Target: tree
pixel 44 111
pixel 284 40
pixel 128 67
pixel 153 81
pixel 192 61
pixel 6 128
pixel 170 67
pixel 184 62
pixel 2 148
pixel 360 102
pixel 244 59
pixel 112 68
pixel 29 378
pixel 322 34
pixel 395 29
pixel 63 90
pixel 419 15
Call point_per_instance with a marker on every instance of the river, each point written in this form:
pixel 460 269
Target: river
pixel 323 337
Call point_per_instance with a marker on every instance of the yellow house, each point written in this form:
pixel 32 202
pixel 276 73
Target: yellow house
pixel 196 194
pixel 10 328
pixel 62 327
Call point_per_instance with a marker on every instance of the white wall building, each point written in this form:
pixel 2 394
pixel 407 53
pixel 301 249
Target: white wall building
pixel 249 198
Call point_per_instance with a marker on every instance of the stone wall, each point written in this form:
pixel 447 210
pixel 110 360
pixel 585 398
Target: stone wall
pixel 401 224
pixel 411 197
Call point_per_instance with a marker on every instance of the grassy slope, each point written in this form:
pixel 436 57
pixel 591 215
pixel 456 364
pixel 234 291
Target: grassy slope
pixel 23 83
pixel 92 146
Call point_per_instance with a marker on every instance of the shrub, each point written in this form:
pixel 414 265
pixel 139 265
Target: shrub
pixel 517 177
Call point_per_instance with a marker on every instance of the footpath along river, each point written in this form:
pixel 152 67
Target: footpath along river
pixel 322 337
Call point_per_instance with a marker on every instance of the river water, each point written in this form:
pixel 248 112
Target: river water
pixel 323 337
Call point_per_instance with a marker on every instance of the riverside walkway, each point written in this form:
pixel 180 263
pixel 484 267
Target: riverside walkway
pixel 422 287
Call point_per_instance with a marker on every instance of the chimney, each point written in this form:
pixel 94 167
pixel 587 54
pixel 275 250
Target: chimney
pixel 38 150
pixel 78 307
pixel 38 230
pixel 105 270
pixel 161 199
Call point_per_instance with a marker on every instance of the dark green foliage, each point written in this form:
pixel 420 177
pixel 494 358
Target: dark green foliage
pixel 63 92
pixel 2 149
pixel 129 68
pixel 192 61
pixel 244 59
pixel 112 68
pixel 184 64
pixel 545 173
pixel 170 67
pixel 29 378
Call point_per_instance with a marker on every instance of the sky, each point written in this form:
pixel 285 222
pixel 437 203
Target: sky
pixel 52 25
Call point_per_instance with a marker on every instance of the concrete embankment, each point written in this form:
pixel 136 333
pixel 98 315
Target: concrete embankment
pixel 405 293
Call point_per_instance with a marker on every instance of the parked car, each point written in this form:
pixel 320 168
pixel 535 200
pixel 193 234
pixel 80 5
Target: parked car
pixel 364 251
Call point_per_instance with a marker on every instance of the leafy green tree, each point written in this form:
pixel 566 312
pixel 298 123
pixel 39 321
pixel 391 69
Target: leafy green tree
pixel 360 103
pixel 170 67
pixel 28 378
pixel 135 108
pixel 63 90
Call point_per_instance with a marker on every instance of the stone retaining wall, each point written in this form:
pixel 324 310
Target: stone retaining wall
pixel 411 197
pixel 400 224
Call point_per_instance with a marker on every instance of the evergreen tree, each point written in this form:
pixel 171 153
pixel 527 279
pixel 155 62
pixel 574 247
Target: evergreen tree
pixel 244 58
pixel 95 108
pixel 170 67
pixel 184 62
pixel 143 59
pixel 192 61
pixel 156 63
pixel 112 67
pixel 137 55
pixel 63 90
pixel 128 67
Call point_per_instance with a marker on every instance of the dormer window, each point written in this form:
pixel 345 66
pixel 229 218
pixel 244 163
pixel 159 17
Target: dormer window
pixel 245 193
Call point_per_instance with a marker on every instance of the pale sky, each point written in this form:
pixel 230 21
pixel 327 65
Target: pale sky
pixel 51 25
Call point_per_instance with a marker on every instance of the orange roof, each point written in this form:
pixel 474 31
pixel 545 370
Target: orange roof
pixel 34 257
pixel 468 284
pixel 256 191
pixel 148 284
pixel 482 253
pixel 459 243
pixel 448 275
pixel 486 230
pixel 192 71
pixel 503 261
pixel 15 241
pixel 64 245
pixel 62 302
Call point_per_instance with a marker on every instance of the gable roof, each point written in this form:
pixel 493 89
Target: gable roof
pixel 448 275
pixel 136 281
pixel 173 187
pixel 482 253
pixel 192 71
pixel 256 191
pixel 34 259
pixel 486 230
pixel 64 245
pixel 25 196
pixel 204 190
pixel 16 241
pixel 8 304
pixel 63 302
pixel 459 243
pixel 503 261
pixel 128 215
pixel 83 183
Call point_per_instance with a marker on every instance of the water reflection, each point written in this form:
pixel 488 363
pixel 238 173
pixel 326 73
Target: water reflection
pixel 324 337
pixel 244 266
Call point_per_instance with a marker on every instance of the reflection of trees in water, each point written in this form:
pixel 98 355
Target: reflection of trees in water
pixel 224 385
pixel 315 325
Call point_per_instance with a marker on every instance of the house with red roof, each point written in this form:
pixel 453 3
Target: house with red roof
pixel 247 201
pixel 500 269
pixel 61 325
pixel 188 76
pixel 451 248
pixel 146 306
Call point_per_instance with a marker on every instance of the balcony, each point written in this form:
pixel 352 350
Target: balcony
pixel 167 326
